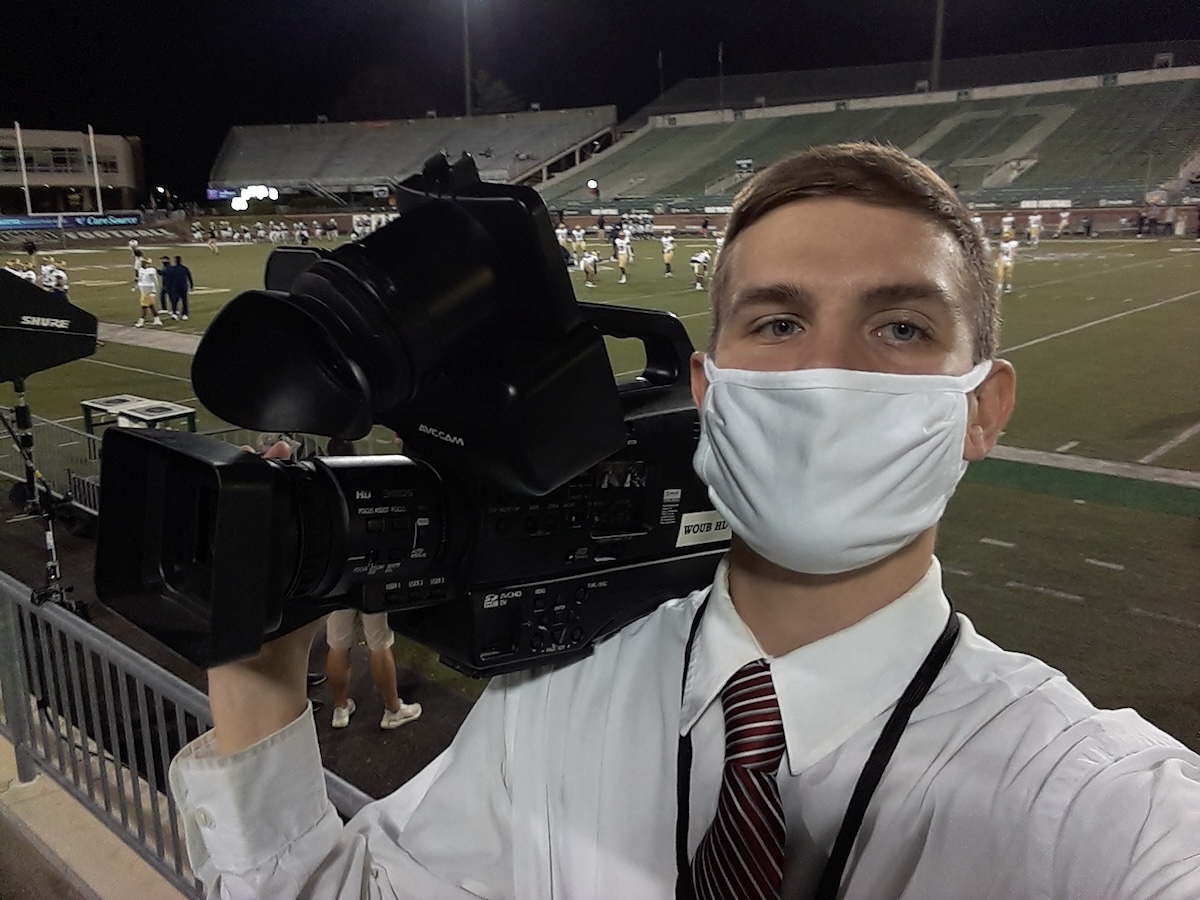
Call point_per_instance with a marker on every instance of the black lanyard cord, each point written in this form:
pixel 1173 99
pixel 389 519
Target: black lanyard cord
pixel 864 789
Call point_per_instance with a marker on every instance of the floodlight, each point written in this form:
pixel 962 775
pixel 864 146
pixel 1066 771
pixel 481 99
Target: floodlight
pixel 240 204
pixel 592 184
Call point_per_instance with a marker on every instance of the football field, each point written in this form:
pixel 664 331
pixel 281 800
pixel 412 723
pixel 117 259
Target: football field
pixel 1079 543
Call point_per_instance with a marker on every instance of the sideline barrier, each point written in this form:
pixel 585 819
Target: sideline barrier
pixel 104 722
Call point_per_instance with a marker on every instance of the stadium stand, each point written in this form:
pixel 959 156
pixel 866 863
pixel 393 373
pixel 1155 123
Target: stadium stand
pixel 782 88
pixel 1015 142
pixel 337 156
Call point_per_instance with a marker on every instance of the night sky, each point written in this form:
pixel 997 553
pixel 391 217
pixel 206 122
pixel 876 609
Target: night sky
pixel 179 75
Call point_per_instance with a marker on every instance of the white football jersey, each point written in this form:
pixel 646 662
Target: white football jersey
pixel 668 243
pixel 1008 251
pixel 624 247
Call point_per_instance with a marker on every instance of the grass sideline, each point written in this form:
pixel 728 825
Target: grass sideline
pixel 1095 574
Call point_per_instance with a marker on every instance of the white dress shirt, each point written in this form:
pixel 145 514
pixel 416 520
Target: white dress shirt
pixel 1007 782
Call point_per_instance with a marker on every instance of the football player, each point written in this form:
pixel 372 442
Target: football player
pixel 700 267
pixel 668 253
pixel 1005 261
pixel 588 264
pixel 624 255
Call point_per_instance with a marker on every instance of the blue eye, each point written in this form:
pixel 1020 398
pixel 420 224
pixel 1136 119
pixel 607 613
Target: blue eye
pixel 781 328
pixel 905 332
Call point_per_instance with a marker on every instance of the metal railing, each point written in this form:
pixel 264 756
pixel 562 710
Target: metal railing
pixel 104 723
pixel 58 450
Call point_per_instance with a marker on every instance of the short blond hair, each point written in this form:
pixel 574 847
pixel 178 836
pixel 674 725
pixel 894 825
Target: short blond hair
pixel 882 175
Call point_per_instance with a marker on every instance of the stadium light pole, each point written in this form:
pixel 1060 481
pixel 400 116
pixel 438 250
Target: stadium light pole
pixel 467 56
pixel 935 72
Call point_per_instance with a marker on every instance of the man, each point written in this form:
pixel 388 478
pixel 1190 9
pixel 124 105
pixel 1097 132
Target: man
pixel 700 263
pixel 1064 223
pixel 624 249
pixel 978 224
pixel 148 286
pixel 850 377
pixel 1006 261
pixel 177 288
pixel 588 264
pixel 1008 225
pixel 165 281
pixel 668 254
pixel 1034 232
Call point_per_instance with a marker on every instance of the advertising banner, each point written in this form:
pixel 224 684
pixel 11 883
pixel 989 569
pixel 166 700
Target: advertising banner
pixel 58 222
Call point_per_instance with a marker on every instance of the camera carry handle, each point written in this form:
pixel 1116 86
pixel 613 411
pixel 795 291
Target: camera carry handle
pixel 664 338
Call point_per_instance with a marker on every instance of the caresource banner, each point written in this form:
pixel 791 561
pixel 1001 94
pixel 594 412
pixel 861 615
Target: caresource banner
pixel 56 222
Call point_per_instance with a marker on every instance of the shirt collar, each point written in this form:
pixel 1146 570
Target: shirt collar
pixel 830 688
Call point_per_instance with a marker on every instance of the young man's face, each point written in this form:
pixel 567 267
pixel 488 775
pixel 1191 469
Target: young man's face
pixel 838 283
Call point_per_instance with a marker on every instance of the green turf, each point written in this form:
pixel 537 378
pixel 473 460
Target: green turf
pixel 1120 389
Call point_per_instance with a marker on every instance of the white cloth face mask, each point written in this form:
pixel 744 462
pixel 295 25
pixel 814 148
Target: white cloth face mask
pixel 824 471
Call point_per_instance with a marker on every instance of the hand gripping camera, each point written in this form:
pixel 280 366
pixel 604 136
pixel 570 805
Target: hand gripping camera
pixel 540 505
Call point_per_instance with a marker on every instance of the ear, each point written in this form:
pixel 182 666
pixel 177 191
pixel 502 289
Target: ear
pixel 988 409
pixel 699 379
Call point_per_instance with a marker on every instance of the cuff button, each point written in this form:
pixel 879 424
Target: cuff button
pixel 204 817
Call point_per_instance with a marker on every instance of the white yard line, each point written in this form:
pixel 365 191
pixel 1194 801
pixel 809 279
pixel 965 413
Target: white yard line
pixel 1048 592
pixel 1101 321
pixel 1116 567
pixel 952 570
pixel 1067 446
pixel 1135 265
pixel 1136 471
pixel 99 362
pixel 1163 617
pixel 1170 445
pixel 994 542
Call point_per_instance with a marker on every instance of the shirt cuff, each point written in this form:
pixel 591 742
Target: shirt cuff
pixel 244 809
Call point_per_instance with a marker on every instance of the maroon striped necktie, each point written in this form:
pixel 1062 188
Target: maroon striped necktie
pixel 741 855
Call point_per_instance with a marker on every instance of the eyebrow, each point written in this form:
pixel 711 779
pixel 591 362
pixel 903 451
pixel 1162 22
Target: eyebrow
pixel 796 297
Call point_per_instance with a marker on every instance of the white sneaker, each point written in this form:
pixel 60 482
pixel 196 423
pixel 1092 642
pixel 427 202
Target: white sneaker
pixel 157 320
pixel 342 714
pixel 623 280
pixel 588 284
pixel 699 287
pixel 406 713
pixel 138 324
pixel 184 317
pixel 175 316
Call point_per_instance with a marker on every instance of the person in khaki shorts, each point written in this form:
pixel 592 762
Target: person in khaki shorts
pixel 339 630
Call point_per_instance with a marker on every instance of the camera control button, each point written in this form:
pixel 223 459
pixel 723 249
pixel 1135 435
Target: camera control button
pixel 375 525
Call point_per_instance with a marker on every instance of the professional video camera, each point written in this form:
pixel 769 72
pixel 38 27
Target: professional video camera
pixel 541 507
